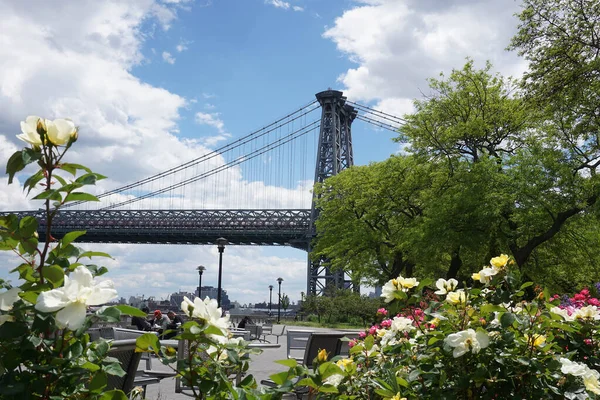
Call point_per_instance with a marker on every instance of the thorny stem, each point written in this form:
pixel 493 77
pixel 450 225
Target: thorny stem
pixel 48 173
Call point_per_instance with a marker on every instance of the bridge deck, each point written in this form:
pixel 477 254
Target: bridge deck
pixel 239 227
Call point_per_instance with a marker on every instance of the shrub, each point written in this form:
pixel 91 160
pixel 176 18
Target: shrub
pixel 484 341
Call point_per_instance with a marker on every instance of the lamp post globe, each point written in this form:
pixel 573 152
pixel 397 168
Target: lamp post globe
pixel 279 302
pixel 270 298
pixel 221 242
pixel 200 269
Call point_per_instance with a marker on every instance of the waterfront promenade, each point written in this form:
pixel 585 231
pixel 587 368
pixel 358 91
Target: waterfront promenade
pixel 262 366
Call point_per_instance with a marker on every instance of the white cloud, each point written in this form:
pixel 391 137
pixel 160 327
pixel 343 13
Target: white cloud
pixel 167 57
pixel 209 106
pixel 183 45
pixel 278 3
pixel 127 131
pixel 211 119
pixel 297 8
pixel 398 44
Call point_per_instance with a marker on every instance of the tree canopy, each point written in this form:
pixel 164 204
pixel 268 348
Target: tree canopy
pixel 491 165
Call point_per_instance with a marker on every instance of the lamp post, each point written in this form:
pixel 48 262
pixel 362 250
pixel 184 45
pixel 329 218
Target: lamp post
pixel 200 269
pixel 279 302
pixel 221 242
pixel 270 298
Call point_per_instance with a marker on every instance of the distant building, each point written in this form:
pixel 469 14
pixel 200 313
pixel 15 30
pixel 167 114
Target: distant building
pixel 137 301
pixel 211 293
pixel 376 294
pixel 177 298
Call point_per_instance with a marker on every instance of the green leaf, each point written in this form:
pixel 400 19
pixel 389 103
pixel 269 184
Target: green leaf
pixel 30 245
pixel 432 341
pixel 290 362
pixel 87 179
pixel 54 274
pixel 80 196
pixel 132 311
pixel 307 382
pixel 329 368
pixel 27 226
pixel 526 285
pixel 328 388
pixel 147 342
pixel 489 308
pixel 30 155
pixel 49 194
pixel 99 382
pixel 113 395
pixel 72 168
pixel 29 296
pixel 70 237
pixel 12 330
pixel 15 164
pixel 507 319
pixel 280 378
pixel 91 254
pixel 90 366
pixel 114 369
pixel 59 179
pixel 33 180
pixel 213 330
pixel 110 314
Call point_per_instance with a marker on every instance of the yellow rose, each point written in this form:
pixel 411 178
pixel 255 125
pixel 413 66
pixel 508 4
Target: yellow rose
pixel 344 362
pixel 457 297
pixel 539 340
pixel 499 261
pixel 476 276
pixel 396 397
pixel 322 356
pixel 408 283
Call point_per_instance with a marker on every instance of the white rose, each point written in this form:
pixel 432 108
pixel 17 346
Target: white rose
pixel 29 129
pixel 60 131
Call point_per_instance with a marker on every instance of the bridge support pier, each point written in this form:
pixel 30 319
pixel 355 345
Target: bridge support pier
pixel 334 154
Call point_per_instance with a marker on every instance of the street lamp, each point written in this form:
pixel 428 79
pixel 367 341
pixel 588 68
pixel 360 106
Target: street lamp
pixel 279 302
pixel 221 242
pixel 200 269
pixel 270 298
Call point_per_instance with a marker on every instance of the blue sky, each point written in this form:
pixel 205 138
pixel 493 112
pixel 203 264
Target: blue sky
pixel 253 62
pixel 154 83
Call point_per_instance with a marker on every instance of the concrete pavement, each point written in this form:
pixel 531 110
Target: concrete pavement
pixel 261 366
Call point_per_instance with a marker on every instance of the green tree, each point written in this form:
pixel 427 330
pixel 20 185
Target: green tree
pixel 499 146
pixel 285 302
pixel 366 215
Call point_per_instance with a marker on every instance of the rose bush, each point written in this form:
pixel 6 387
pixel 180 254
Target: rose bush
pixel 45 352
pixel 212 364
pixel 480 342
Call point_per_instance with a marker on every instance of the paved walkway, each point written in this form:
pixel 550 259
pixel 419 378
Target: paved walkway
pixel 261 366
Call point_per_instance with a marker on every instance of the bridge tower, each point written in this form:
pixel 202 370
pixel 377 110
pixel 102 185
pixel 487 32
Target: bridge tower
pixel 334 154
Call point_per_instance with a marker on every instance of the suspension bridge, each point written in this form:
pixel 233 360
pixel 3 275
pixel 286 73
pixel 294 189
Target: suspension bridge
pixel 254 190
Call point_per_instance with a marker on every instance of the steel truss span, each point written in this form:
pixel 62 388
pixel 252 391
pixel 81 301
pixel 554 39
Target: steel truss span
pixel 240 227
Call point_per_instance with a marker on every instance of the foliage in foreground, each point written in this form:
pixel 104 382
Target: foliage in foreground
pixel 451 342
pixel 45 352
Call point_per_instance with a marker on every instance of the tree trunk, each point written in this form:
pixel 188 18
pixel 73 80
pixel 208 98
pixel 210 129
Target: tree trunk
pixel 521 254
pixel 455 264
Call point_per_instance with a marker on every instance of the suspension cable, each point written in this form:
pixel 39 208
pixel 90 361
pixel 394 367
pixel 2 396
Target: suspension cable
pixel 381 114
pixel 237 143
pixel 378 123
pixel 276 144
